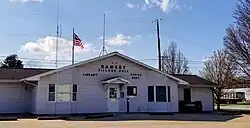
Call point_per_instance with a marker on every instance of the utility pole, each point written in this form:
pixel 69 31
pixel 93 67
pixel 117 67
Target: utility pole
pixel 158 41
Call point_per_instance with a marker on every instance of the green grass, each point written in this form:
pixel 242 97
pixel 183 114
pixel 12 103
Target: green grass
pixel 243 103
pixel 239 103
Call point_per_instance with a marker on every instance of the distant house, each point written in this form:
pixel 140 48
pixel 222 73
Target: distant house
pixel 238 92
pixel 110 83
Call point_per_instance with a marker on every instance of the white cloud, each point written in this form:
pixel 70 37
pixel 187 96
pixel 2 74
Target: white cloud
pixel 46 47
pixel 24 1
pixel 164 5
pixel 131 5
pixel 119 40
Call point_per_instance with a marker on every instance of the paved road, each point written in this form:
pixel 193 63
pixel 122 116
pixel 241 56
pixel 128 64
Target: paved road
pixel 243 121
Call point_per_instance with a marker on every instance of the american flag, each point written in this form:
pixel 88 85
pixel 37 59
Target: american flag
pixel 77 41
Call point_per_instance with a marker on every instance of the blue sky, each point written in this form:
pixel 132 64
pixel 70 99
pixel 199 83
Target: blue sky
pixel 28 27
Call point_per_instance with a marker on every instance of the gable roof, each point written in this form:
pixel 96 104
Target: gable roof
pixel 115 79
pixel 17 74
pixel 36 77
pixel 194 79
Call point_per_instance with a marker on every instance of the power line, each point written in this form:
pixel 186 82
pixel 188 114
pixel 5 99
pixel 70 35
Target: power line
pixel 44 60
pixel 37 16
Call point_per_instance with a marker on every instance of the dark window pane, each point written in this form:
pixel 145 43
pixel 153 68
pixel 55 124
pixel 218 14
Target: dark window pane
pixel 160 89
pixel 150 97
pixel 169 94
pixel 150 89
pixel 131 91
pixel 161 94
pixel 161 98
pixel 74 97
pixel 51 96
pixel 150 93
pixel 74 88
pixel 51 88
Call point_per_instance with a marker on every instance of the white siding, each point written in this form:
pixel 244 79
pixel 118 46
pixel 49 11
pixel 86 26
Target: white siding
pixel 13 98
pixel 91 95
pixel 33 97
pixel 199 94
pixel 205 96
pixel 245 90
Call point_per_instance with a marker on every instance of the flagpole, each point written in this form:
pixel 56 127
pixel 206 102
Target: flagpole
pixel 73 47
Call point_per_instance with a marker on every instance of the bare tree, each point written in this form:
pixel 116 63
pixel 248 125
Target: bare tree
pixel 220 70
pixel 173 61
pixel 237 39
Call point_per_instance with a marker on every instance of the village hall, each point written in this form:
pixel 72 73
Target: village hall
pixel 110 83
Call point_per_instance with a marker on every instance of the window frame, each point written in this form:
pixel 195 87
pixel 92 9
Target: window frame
pixel 169 93
pixel 162 94
pixel 68 93
pixel 71 93
pixel 151 94
pixel 155 94
pixel 52 93
pixel 136 92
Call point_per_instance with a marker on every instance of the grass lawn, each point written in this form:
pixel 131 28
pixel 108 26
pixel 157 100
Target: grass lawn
pixel 239 103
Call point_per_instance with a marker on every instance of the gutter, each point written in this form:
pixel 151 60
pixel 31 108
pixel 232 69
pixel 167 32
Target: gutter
pixel 26 82
pixel 9 81
pixel 198 86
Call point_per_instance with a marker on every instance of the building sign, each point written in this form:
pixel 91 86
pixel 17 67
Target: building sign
pixel 135 75
pixel 112 68
pixel 89 74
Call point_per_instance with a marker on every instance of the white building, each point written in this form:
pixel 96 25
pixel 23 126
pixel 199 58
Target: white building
pixel 110 83
pixel 237 93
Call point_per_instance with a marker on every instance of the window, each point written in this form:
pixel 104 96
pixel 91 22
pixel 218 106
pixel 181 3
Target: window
pixel 51 92
pixel 161 94
pixel 112 93
pixel 150 93
pixel 74 92
pixel 62 93
pixel 122 94
pixel 131 91
pixel 169 94
pixel 157 94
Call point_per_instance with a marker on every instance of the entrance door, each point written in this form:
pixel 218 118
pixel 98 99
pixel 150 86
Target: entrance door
pixel 187 94
pixel 113 98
